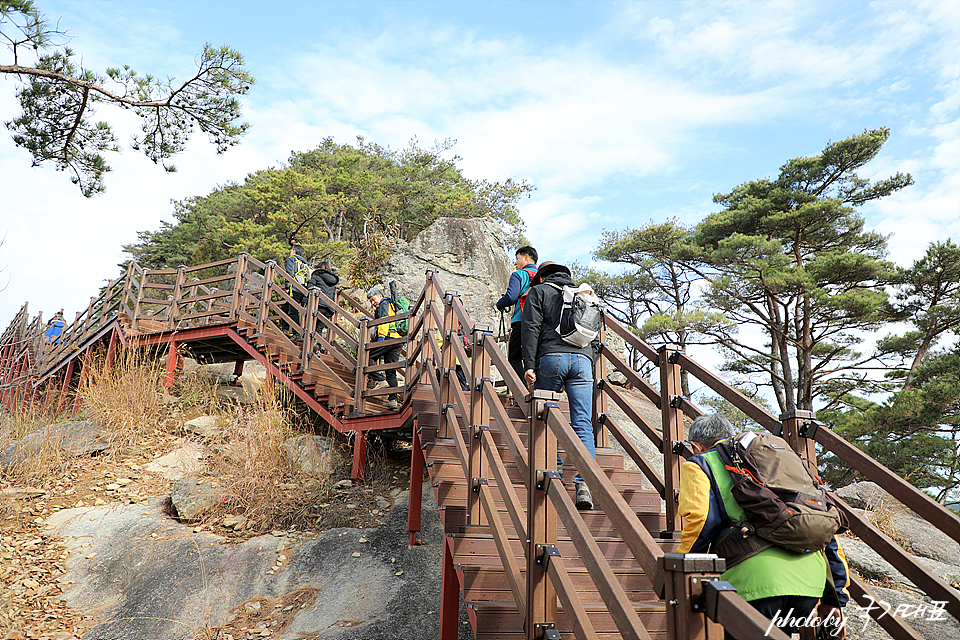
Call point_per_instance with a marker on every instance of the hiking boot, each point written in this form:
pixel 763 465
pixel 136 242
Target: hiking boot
pixel 381 384
pixel 584 497
pixel 392 404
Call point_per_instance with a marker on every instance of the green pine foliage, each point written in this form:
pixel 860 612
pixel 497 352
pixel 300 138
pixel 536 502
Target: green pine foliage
pixel 59 99
pixel 341 202
pixel 915 432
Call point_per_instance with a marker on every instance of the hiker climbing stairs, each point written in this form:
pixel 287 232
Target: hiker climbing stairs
pixel 516 551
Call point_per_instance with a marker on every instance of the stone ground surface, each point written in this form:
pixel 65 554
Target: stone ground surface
pixel 94 554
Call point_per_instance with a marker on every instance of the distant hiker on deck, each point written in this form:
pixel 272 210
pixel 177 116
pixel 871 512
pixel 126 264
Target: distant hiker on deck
pixel 519 284
pixel 55 328
pixel 326 281
pixel 298 269
pixel 385 307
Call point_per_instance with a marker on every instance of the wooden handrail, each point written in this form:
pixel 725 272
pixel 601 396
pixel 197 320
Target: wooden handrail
pixel 918 501
pixel 627 620
pixel 741 620
pixel 634 534
pixel 499 360
pixel 632 376
pixel 510 498
pixel 645 427
pixel 645 467
pixel 753 410
pixel 649 352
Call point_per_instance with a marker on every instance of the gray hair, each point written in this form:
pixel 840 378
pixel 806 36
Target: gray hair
pixel 709 429
pixel 374 291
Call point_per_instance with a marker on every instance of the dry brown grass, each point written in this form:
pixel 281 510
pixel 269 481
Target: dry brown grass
pixel 884 512
pixel 259 479
pixel 125 397
pixel 38 458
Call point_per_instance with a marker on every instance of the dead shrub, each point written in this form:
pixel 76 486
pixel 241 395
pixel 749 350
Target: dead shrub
pixel 38 457
pixel 884 511
pixel 125 397
pixel 259 478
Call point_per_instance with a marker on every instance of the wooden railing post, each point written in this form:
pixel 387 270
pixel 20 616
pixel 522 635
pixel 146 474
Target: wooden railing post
pixel 447 356
pixel 799 428
pixel 268 275
pixel 236 299
pixel 127 287
pixel 309 323
pixel 672 420
pixel 363 361
pixel 600 434
pixel 541 605
pixel 87 320
pixel 479 421
pixel 684 575
pixel 174 311
pixel 138 308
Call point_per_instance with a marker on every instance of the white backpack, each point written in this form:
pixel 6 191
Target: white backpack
pixel 580 316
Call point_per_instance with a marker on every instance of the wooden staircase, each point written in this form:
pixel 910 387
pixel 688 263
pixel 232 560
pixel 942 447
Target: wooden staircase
pixel 482 578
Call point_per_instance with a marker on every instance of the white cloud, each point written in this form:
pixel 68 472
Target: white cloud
pixel 633 106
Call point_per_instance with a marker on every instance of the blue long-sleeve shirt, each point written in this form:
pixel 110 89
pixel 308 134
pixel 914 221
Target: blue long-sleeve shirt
pixel 516 287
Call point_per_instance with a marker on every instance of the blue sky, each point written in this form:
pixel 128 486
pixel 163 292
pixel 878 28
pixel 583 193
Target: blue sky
pixel 618 112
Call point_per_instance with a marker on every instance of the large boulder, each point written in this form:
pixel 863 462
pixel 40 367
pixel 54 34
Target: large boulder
pixel 470 257
pixel 147 576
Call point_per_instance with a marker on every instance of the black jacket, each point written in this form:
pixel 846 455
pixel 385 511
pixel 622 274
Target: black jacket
pixel 541 315
pixel 327 282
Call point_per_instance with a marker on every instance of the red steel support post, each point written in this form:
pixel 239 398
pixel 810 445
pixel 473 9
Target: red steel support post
pixel 416 484
pixel 68 374
pixel 84 370
pixel 359 471
pixel 449 594
pixel 111 351
pixel 172 356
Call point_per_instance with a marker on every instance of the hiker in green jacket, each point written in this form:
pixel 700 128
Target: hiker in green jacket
pixel 783 585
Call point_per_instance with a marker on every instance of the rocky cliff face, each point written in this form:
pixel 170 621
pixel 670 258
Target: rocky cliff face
pixel 469 256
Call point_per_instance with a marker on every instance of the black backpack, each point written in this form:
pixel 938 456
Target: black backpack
pixel 784 503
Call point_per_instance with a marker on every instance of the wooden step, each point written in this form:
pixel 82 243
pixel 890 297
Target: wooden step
pixel 485 583
pixel 501 620
pixel 451 470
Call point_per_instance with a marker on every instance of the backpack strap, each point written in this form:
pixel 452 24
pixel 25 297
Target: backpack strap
pixel 739 540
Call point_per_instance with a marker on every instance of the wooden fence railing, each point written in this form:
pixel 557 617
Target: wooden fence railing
pixel 240 290
pixel 262 296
